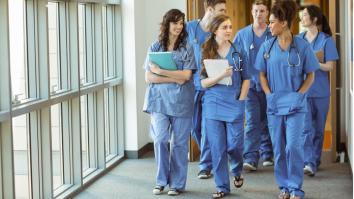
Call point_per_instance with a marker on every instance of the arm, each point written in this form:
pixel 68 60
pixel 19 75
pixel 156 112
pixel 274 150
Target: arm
pixel 152 78
pixel 310 77
pixel 211 81
pixel 325 66
pixel 176 74
pixel 244 89
pixel 264 82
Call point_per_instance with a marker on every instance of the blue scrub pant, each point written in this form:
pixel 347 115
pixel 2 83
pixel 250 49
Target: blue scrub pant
pixel 171 164
pixel 285 132
pixel 198 133
pixel 225 138
pixel 257 139
pixel 314 130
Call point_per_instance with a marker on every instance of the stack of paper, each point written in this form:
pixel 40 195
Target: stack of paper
pixel 214 67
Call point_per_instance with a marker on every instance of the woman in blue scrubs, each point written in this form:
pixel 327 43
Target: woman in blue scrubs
pixel 283 62
pixel 197 34
pixel 224 105
pixel 257 142
pixel 169 100
pixel 319 35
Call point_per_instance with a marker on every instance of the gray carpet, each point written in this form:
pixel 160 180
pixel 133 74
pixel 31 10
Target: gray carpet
pixel 134 179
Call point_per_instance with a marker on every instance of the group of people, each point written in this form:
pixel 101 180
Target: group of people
pixel 274 108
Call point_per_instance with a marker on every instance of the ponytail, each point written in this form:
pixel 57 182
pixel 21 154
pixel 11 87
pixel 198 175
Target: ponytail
pixel 322 22
pixel 325 26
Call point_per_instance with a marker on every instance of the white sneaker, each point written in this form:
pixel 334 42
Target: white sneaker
pixel 268 163
pixel 173 192
pixel 308 171
pixel 249 166
pixel 157 190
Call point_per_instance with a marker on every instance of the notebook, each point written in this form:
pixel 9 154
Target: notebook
pixel 216 66
pixel 163 60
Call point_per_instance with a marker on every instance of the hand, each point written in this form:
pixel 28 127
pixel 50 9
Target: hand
pixel 155 68
pixel 180 82
pixel 227 72
pixel 320 56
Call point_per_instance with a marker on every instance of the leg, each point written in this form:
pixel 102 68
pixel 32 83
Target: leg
pixel 235 146
pixel 252 130
pixel 159 131
pixel 179 152
pixel 308 136
pixel 216 134
pixel 322 106
pixel 277 134
pixel 266 149
pixel 295 153
pixel 198 133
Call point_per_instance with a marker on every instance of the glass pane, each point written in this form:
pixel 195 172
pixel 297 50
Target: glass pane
pixel 21 157
pixel 17 34
pixel 106 122
pixel 82 44
pixel 110 41
pixel 53 31
pixel 104 41
pixel 84 134
pixel 57 152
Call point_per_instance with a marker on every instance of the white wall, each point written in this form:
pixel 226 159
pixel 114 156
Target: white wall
pixel 141 20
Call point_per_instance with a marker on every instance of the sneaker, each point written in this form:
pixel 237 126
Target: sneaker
pixel 158 190
pixel 268 162
pixel 308 171
pixel 249 166
pixel 204 174
pixel 173 192
pixel 283 195
pixel 295 197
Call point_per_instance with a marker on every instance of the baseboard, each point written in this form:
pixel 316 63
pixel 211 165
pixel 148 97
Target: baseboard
pixel 139 153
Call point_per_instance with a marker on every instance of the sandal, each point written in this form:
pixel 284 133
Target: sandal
pixel 238 181
pixel 218 194
pixel 158 190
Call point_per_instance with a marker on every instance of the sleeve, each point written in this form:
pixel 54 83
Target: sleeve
pixel 153 48
pixel 189 63
pixel 311 63
pixel 260 63
pixel 330 50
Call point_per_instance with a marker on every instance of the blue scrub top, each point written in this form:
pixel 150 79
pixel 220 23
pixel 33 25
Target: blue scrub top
pixel 196 38
pixel 284 81
pixel 220 102
pixel 324 42
pixel 246 37
pixel 170 98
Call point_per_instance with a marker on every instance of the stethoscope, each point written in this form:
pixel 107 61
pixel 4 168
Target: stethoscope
pixel 266 55
pixel 252 46
pixel 238 67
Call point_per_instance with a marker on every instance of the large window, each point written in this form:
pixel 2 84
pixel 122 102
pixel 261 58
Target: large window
pixel 59 63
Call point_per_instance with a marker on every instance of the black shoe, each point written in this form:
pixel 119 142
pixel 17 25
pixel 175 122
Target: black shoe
pixel 204 174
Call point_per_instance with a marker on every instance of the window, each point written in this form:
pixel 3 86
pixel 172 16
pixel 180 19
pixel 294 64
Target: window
pixel 84 134
pixel 53 39
pixel 18 64
pixel 21 152
pixel 57 147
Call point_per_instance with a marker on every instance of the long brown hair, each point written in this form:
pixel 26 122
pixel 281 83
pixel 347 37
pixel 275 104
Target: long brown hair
pixel 315 12
pixel 210 47
pixel 173 15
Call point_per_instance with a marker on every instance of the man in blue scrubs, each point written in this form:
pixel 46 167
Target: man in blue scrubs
pixel 197 34
pixel 318 34
pixel 257 140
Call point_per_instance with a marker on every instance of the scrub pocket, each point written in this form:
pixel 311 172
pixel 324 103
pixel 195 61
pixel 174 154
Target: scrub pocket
pixel 285 103
pixel 271 108
pixel 295 70
pixel 299 103
pixel 230 111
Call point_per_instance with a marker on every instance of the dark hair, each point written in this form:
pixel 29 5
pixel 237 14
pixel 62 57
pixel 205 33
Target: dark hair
pixel 284 11
pixel 261 2
pixel 212 3
pixel 210 47
pixel 173 15
pixel 315 12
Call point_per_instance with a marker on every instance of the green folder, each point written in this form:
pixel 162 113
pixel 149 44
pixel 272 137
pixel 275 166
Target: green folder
pixel 163 60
